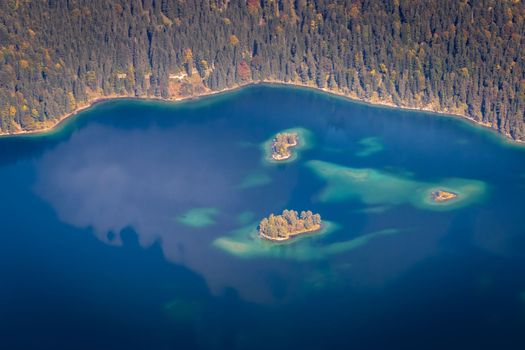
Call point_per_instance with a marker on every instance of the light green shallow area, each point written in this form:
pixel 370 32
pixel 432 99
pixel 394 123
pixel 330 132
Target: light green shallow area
pixel 306 141
pixel 340 247
pixel 378 188
pixel 374 209
pixel 198 217
pixel 522 297
pixel 183 310
pixel 369 146
pixel 245 217
pixel 255 179
pixel 245 243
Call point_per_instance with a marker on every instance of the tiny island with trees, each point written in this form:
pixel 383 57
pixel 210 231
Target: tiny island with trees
pixel 442 196
pixel 288 225
pixel 282 144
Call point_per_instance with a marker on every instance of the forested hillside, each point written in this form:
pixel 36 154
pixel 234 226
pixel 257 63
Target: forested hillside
pixel 464 57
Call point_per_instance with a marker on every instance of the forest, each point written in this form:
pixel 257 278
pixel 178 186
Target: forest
pixel 456 56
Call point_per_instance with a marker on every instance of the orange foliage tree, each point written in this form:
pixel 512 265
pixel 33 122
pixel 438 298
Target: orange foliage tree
pixel 243 71
pixel 253 6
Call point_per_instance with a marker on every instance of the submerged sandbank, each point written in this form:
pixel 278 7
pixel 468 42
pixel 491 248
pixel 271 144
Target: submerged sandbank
pixel 377 187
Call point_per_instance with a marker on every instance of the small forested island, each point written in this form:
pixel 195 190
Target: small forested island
pixel 289 224
pixel 442 196
pixel 282 143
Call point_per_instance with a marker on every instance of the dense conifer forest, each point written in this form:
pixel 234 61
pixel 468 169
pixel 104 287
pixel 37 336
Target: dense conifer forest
pixel 459 56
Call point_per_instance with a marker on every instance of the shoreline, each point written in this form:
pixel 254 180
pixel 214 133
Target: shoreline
pixel 97 100
pixel 443 196
pixel 390 105
pixel 281 158
pixel 349 97
pixel 292 235
pixel 288 156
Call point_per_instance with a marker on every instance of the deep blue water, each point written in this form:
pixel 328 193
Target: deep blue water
pixel 94 253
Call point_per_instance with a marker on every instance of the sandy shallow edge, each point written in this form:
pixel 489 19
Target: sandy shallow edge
pixel 269 82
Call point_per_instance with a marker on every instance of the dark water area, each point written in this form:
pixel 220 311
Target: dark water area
pixel 132 227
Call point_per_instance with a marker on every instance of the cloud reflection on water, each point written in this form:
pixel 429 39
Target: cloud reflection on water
pixel 144 179
pixel 131 179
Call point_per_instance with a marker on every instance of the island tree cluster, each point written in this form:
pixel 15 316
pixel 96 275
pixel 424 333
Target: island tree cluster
pixel 281 145
pixel 288 224
pixel 459 56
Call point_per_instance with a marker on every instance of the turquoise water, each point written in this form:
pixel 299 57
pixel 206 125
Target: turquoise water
pixel 133 226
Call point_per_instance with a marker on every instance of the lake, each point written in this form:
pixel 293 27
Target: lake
pixel 133 226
